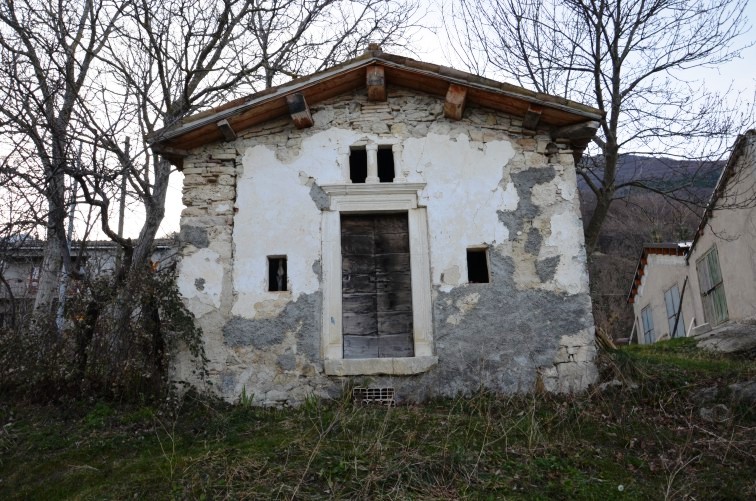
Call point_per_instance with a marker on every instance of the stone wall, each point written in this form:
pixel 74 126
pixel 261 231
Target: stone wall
pixel 485 183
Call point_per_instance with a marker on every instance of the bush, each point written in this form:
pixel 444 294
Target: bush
pixel 119 341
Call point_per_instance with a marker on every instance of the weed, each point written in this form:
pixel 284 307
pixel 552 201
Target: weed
pixel 98 416
pixel 244 399
pixel 637 442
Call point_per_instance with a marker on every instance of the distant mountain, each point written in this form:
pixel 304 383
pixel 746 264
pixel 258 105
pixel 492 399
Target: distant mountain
pixel 696 177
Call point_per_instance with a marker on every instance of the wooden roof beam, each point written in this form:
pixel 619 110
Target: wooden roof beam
pixel 226 130
pixel 454 106
pixel 532 117
pixel 585 130
pixel 169 151
pixel 376 83
pixel 299 111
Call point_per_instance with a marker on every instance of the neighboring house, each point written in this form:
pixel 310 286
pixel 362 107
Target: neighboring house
pixel 660 286
pixel 406 225
pixel 20 265
pixel 716 273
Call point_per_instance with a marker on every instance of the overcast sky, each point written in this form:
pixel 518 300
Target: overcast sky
pixel 740 74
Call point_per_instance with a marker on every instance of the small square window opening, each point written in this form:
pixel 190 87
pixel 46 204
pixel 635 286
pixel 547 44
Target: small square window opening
pixel 477 266
pixel 277 273
pixel 386 165
pixel 358 165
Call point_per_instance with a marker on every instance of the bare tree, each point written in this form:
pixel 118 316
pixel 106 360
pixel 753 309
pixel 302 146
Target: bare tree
pixel 83 84
pixel 629 59
pixel 48 50
pixel 80 77
pixel 173 58
pixel 169 59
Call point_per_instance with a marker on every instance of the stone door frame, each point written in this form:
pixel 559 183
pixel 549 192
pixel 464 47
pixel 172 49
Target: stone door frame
pixel 371 199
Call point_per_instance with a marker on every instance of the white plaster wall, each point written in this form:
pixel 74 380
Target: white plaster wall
pixel 467 182
pixel 659 275
pixel 566 239
pixel 733 231
pixel 463 192
pixel 199 281
pixel 276 216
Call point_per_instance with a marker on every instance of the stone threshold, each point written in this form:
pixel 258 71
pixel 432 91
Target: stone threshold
pixel 375 366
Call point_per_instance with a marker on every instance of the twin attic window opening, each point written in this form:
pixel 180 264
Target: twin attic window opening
pixel 359 171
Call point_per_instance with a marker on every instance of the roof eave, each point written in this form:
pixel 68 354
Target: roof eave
pixel 159 139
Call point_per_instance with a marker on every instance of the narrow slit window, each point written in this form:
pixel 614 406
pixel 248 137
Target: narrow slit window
pixel 477 266
pixel 277 273
pixel 358 165
pixel 385 165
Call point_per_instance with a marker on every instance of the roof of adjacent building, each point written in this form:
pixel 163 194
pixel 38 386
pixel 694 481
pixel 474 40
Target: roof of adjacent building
pixel 550 112
pixel 662 249
pixel 34 248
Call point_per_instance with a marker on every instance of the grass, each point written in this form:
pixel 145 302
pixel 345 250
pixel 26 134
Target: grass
pixel 639 441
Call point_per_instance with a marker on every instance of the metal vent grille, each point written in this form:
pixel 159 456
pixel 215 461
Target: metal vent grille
pixel 373 396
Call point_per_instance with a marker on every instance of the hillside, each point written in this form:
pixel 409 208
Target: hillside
pixel 695 177
pixel 658 429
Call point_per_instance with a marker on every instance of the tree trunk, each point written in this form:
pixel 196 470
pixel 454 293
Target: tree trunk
pixel 604 194
pixel 593 229
pixel 155 208
pixel 52 260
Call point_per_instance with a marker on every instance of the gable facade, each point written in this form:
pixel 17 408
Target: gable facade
pixel 390 246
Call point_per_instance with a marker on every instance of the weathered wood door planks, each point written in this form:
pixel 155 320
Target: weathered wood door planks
pixel 376 286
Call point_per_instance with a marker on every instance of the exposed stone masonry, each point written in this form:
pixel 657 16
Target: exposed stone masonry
pixel 271 349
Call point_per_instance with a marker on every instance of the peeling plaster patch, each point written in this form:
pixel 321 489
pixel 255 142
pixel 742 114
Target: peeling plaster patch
pixel 509 199
pixel 317 270
pixel 199 283
pixel 568 189
pixel 194 235
pixel 297 317
pixel 533 243
pixel 272 307
pixel 308 336
pixel 319 197
pixel 243 332
pixel 526 210
pixel 201 265
pixel 546 268
pixel 567 236
pixel 451 276
pixel 287 361
pixel 464 306
pixel 478 349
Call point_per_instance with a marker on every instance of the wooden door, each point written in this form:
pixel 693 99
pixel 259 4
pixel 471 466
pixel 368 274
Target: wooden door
pixel 376 286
